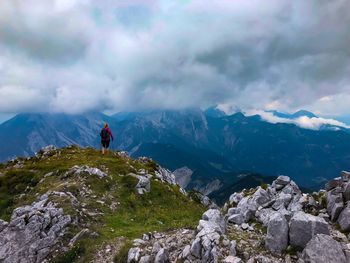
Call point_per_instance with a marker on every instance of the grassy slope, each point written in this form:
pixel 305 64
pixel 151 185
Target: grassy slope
pixel 162 209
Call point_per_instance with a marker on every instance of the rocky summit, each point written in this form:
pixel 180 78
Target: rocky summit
pixel 75 205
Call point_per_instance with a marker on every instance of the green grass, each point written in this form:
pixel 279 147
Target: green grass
pixel 122 255
pixel 162 209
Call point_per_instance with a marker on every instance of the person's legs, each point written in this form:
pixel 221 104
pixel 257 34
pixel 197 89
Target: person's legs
pixel 107 145
pixel 103 147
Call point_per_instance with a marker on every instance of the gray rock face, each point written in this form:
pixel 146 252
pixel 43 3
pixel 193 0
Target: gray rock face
pixel 183 176
pixel 323 249
pixel 214 216
pixel 344 218
pixel 32 233
pixel 235 198
pixel 346 193
pixel 282 180
pixel 236 219
pixel 335 203
pixel 304 226
pixel 165 175
pixel 277 233
pixel 333 184
pixel 232 259
pixel 133 255
pixel 144 185
pixel 282 201
pixel 260 197
pixel 162 256
pixel 345 176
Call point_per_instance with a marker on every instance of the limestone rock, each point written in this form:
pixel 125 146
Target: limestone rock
pixel 232 259
pixel 162 256
pixel 335 203
pixel 345 176
pixel 323 249
pixel 236 219
pixel 134 255
pixel 277 233
pixel 304 226
pixel 33 232
pixel 77 170
pixel 235 198
pixel 333 184
pixel 165 175
pixel 144 185
pixel 344 218
pixel 282 180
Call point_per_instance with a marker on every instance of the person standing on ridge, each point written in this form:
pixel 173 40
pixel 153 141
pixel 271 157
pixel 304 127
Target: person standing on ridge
pixel 106 136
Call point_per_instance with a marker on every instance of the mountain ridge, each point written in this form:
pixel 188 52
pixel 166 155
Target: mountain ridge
pixel 215 146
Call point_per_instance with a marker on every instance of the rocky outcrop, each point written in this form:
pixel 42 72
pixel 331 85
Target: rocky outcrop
pixel 32 233
pixel 183 176
pixel 338 196
pixel 85 169
pixel 165 175
pixel 280 207
pixel 46 151
pixel 323 249
pixel 205 246
pixel 144 185
pixel 283 196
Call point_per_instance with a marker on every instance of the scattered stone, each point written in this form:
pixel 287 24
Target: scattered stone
pixel 232 259
pixel 244 226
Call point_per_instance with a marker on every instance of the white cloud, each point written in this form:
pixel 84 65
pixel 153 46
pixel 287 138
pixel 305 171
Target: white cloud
pixel 314 123
pixel 87 55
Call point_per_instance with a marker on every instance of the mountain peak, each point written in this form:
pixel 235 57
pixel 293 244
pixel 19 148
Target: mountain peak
pixel 302 113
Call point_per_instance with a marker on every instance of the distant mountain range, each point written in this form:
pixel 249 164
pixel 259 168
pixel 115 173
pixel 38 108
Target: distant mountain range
pixel 216 149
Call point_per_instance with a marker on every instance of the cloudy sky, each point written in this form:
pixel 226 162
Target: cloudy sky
pixel 75 56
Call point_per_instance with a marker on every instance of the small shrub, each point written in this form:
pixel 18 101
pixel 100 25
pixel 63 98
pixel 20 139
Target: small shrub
pixel 264 186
